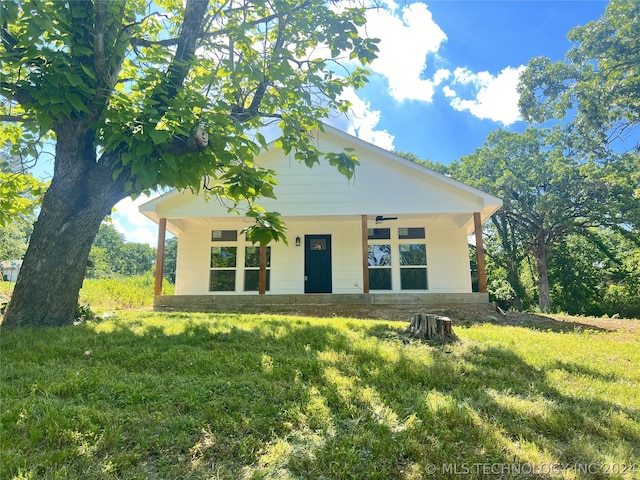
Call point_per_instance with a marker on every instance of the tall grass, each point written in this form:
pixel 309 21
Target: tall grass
pixel 115 293
pixel 178 396
pixel 5 291
pixel 121 292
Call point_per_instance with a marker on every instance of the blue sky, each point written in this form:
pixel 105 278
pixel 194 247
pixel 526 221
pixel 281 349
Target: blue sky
pixel 445 77
pixel 447 72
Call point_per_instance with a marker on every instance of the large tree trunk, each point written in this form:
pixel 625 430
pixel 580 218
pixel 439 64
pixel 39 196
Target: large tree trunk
pixel 511 260
pixel 81 194
pixel 541 255
pixel 513 276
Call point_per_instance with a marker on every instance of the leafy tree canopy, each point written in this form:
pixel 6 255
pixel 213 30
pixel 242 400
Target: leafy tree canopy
pixel 599 80
pixel 139 95
pixel 20 192
pixel 549 192
pixel 435 166
pixel 14 237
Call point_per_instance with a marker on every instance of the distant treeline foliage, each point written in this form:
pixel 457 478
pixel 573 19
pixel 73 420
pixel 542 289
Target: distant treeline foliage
pixel 111 255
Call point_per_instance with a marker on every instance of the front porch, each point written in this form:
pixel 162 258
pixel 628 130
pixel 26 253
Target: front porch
pixel 369 305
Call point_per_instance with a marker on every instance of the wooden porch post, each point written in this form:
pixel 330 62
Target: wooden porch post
pixel 482 270
pixel 162 232
pixel 262 276
pixel 365 255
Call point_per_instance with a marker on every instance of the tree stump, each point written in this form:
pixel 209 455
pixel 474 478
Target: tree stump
pixel 430 327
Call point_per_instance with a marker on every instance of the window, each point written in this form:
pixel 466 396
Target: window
pixel 409 233
pixel 379 233
pixel 222 277
pixel 318 244
pixel 396 259
pixel 379 267
pixel 413 266
pixel 252 268
pixel 224 235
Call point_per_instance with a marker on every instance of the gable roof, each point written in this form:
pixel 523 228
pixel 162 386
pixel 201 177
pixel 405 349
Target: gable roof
pixel 384 184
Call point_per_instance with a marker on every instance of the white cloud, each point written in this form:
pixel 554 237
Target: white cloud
pixel 405 42
pixel 494 97
pixel 448 91
pixel 128 220
pixel 362 121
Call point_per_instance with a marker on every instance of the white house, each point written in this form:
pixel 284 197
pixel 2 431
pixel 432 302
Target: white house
pixel 9 270
pixel 396 232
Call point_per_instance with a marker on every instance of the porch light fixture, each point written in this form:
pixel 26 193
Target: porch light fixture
pixel 297 241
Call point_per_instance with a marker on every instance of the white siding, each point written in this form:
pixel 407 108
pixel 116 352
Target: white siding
pixel 380 187
pixel 192 264
pixel 322 201
pixel 447 255
pixel 448 258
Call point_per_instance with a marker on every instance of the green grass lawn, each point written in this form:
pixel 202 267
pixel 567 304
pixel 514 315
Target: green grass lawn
pixel 144 395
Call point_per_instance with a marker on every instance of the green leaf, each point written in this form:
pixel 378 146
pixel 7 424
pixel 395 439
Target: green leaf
pixel 170 160
pixel 82 51
pixel 159 136
pixel 116 173
pixel 88 71
pixel 76 102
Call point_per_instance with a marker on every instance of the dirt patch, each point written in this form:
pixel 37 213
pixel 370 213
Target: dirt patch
pixel 556 323
pixel 474 314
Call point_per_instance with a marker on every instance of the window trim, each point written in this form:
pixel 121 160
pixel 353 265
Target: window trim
pixel 225 236
pixel 396 268
pixel 256 269
pixel 389 267
pixel 233 269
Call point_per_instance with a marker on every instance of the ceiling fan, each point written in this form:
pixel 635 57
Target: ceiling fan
pixel 380 218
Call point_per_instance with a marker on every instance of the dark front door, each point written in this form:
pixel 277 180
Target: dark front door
pixel 317 264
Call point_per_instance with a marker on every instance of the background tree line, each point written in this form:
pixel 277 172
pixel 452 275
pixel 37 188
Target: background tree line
pixel 568 235
pixel 566 238
pixel 111 255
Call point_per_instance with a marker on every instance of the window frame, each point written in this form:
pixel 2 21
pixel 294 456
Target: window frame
pixel 380 268
pixel 226 268
pixel 247 269
pixel 398 237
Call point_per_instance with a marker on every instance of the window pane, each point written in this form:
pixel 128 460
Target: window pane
pixel 251 279
pixel 413 254
pixel 379 233
pixel 223 257
pixel 380 279
pixel 379 255
pixel 222 281
pixel 252 257
pixel 404 233
pixel 224 235
pixel 318 244
pixel 413 278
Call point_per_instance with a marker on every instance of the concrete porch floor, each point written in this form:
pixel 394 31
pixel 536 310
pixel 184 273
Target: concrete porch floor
pixel 371 305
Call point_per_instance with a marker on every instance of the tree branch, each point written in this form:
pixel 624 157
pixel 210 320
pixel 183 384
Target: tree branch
pixel 143 42
pixel 197 142
pixel 191 32
pixel 243 114
pixel 13 118
pixel 14 93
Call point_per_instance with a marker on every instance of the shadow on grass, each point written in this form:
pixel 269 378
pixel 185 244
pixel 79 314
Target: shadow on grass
pixel 286 398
